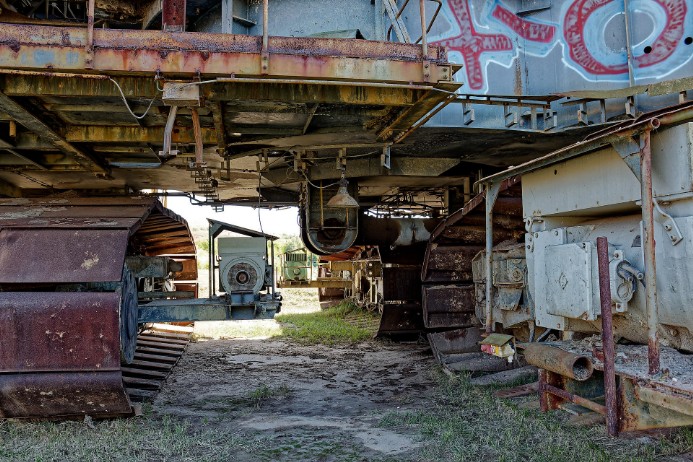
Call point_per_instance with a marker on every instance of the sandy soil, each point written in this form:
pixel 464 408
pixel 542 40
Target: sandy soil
pixel 295 403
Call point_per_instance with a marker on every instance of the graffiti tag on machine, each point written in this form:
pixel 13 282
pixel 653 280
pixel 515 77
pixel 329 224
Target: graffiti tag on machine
pixel 485 32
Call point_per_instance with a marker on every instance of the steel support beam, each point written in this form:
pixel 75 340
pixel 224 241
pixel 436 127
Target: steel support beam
pixel 648 248
pixel 145 87
pixel 10 190
pixel 44 49
pixel 36 125
pixel 120 134
pixel 198 310
pixel 492 191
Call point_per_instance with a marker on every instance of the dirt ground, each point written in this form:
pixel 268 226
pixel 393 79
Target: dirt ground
pixel 297 403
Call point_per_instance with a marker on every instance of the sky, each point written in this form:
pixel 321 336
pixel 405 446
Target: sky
pixel 276 221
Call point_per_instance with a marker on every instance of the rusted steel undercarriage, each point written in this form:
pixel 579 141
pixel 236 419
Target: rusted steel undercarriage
pixel 119 98
pixel 69 299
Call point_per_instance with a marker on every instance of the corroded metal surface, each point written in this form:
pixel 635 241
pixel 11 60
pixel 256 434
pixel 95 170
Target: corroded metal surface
pixel 607 337
pixel 577 367
pixel 68 310
pixel 60 255
pixel 449 297
pixel 54 332
pixel 63 395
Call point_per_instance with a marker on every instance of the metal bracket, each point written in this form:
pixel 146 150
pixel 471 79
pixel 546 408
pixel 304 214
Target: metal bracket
pixel 426 70
pixel 668 223
pixel 629 150
pixel 468 115
pixel 341 159
pixel 550 119
pixel 386 157
pixel 509 116
pixel 170 122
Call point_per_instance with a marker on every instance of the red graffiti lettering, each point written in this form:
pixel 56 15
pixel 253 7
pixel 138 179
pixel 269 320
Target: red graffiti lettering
pixel 528 30
pixel 664 46
pixel 472 44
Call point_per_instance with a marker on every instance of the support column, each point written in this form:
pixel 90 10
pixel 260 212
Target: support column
pixel 648 246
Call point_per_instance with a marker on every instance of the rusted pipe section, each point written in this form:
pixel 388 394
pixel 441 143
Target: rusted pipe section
pixel 265 25
pixel 424 26
pixel 173 15
pixel 492 191
pixel 197 129
pixel 264 55
pixel 648 242
pixel 579 400
pixel 89 62
pixel 576 367
pixel 168 130
pixel 607 337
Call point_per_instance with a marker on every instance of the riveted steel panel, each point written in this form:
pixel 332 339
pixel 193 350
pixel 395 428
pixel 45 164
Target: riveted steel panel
pixel 70 331
pixel 61 255
pixel 59 394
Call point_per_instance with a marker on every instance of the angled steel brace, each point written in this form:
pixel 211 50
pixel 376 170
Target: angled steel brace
pixel 629 149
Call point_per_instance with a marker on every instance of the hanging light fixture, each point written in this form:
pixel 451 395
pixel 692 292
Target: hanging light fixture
pixel 342 199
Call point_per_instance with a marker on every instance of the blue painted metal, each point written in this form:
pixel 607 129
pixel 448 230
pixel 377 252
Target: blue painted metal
pixel 216 309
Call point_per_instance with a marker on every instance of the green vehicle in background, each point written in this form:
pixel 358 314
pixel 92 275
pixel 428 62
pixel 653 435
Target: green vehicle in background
pixel 296 265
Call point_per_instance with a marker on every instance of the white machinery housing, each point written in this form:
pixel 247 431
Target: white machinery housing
pixel 243 266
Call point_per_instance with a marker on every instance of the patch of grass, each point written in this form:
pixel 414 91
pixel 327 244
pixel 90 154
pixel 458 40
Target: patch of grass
pixel 467 423
pixel 264 393
pixel 149 438
pixel 342 324
pixel 254 329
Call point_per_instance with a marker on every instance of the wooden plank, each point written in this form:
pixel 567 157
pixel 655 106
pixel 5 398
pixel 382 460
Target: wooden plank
pixel 135 392
pixel 156 358
pixel 172 341
pixel 167 335
pixel 152 365
pixel 132 382
pixel 158 351
pixel 160 345
pixel 134 372
pixel 171 328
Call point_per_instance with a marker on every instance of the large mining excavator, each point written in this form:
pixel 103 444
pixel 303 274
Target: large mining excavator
pixel 462 156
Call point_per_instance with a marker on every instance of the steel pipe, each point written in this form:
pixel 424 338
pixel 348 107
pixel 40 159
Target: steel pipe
pixel 607 337
pixel 197 129
pixel 89 62
pixel 648 247
pixel 424 26
pixel 579 400
pixel 492 191
pixel 571 365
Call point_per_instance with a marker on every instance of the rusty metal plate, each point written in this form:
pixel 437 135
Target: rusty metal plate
pixel 402 283
pixel 61 256
pixel 31 213
pixel 400 319
pixel 454 342
pixel 63 331
pixel 72 223
pixel 450 263
pixel 449 306
pixel 60 395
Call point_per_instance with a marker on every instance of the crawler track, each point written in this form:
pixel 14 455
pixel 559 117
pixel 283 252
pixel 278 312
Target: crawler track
pixel 68 302
pixel 449 296
pixel 159 348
